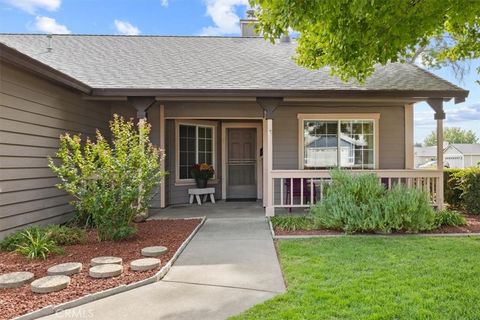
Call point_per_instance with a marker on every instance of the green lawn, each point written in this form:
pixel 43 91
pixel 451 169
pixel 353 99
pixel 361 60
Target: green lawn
pixel 377 278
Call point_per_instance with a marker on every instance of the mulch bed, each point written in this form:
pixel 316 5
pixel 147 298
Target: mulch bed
pixel 473 226
pixel 168 233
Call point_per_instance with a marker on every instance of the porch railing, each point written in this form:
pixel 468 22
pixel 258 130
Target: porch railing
pixel 303 188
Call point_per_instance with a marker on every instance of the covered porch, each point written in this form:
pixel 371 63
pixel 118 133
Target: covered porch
pixel 275 159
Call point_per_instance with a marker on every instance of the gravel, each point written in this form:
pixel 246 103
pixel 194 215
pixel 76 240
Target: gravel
pixel 19 301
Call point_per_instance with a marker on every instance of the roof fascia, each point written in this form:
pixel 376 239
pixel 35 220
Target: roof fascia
pixel 287 94
pixel 23 61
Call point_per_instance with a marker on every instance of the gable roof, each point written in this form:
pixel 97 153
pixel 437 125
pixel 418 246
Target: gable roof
pixel 466 148
pixel 106 62
pixel 425 151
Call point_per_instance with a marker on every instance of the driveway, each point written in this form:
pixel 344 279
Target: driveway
pixel 229 266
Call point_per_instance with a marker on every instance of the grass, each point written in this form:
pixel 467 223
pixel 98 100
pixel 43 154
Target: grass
pixel 377 278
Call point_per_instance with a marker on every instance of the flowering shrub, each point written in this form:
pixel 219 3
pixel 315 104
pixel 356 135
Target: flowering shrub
pixel 202 171
pixel 111 184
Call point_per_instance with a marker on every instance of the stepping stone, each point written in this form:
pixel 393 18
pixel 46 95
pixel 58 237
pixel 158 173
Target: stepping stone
pixel 50 284
pixel 105 271
pixel 144 264
pixel 15 279
pixel 65 269
pixel 105 260
pixel 153 251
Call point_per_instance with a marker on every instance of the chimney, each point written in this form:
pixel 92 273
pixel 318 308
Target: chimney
pixel 248 24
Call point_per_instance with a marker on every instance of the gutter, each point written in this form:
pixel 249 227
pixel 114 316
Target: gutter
pixel 458 95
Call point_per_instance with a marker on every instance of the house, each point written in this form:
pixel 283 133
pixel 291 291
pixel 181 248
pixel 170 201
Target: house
pixel 455 155
pixel 424 155
pixel 462 155
pixel 239 103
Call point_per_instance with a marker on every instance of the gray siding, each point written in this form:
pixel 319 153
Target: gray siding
pixel 33 114
pixel 391 135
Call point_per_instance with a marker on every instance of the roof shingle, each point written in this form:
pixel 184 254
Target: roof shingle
pixel 162 62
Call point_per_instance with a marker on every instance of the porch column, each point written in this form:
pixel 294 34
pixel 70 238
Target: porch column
pixel 162 147
pixel 141 104
pixel 269 106
pixel 437 106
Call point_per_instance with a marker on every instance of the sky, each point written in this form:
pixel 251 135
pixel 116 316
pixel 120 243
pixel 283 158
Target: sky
pixel 194 17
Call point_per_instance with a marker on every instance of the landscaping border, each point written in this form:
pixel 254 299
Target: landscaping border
pixel 52 309
pixel 309 236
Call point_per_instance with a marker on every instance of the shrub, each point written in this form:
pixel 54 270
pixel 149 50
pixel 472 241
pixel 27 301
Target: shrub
pixel 292 223
pixel 359 203
pixel 63 235
pixel 11 242
pixel 110 183
pixel 469 184
pixel 451 186
pixel 350 203
pixel 37 245
pixel 407 209
pixel 449 218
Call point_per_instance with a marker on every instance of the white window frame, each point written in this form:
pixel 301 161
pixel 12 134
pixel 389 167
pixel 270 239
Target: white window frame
pixel 302 117
pixel 197 123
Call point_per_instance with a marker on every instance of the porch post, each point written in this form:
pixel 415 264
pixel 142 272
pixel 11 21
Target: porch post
pixel 269 106
pixel 141 104
pixel 437 106
pixel 162 147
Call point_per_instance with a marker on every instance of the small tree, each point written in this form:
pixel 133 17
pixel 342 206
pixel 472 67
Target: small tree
pixel 111 184
pixel 452 135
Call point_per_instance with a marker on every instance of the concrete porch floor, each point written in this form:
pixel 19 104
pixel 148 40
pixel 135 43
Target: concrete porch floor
pixel 229 266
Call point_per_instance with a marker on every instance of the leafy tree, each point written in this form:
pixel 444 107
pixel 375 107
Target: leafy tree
pixel 452 135
pixel 351 36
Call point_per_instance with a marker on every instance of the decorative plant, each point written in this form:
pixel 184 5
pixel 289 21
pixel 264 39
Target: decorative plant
pixel 359 203
pixel 450 218
pixel 37 244
pixel 63 235
pixel 111 184
pixel 202 171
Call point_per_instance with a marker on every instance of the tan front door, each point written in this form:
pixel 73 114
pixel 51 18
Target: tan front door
pixel 241 163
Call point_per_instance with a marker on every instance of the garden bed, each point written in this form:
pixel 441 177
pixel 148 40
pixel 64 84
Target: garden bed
pixel 169 233
pixel 472 227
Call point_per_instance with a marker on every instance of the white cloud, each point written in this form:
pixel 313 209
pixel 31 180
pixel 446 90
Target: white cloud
pixel 31 6
pixel 224 17
pixel 454 116
pixel 125 27
pixel 164 3
pixel 49 25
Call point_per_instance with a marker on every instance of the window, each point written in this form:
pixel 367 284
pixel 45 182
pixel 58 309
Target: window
pixel 346 143
pixel 195 145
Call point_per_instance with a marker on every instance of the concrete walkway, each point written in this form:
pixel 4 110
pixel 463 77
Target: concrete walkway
pixel 229 266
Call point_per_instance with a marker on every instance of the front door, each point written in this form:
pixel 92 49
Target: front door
pixel 241 163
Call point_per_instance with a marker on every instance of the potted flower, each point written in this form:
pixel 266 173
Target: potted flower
pixel 201 172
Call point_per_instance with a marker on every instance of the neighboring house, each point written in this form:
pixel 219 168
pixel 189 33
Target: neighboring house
pixel 456 155
pixel 239 103
pixel 424 155
pixel 462 155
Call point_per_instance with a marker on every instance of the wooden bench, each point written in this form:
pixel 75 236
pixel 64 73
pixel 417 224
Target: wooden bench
pixel 197 192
